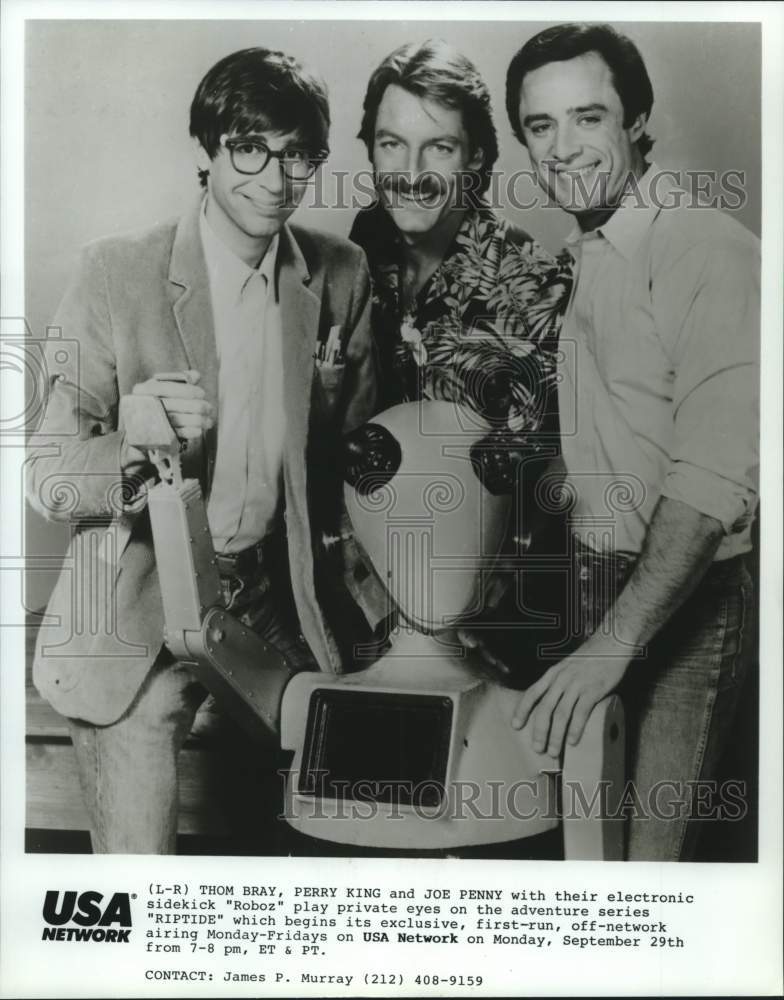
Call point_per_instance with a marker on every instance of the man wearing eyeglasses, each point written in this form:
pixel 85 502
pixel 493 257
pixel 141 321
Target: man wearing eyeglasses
pixel 255 336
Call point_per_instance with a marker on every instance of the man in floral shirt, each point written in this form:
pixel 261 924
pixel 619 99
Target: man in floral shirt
pixel 466 307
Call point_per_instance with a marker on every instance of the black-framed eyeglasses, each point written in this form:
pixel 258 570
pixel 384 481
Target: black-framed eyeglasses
pixel 250 156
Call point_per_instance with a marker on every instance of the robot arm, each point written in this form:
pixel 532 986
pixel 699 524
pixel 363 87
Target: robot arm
pixel 245 673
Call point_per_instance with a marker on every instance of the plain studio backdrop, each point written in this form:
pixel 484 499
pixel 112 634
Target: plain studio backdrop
pixel 107 146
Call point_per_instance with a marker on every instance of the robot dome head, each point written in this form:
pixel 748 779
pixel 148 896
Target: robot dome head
pixel 428 489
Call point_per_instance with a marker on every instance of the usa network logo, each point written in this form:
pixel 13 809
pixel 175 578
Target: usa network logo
pixel 94 919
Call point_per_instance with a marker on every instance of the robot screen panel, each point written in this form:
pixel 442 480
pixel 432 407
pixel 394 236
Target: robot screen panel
pixel 377 747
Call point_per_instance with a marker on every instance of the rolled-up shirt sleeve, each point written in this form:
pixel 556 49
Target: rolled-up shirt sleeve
pixel 710 301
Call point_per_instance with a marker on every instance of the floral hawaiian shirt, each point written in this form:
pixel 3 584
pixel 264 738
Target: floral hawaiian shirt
pixel 484 327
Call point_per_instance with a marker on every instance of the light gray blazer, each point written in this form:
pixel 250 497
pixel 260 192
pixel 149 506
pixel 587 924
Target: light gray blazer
pixel 140 304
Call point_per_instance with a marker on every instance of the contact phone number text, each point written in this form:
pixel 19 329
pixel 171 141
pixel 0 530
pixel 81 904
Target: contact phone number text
pixel 421 979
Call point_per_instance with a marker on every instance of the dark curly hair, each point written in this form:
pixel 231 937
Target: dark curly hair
pixel 436 71
pixel 567 41
pixel 257 90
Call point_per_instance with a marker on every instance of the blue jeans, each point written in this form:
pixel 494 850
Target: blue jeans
pixel 680 699
pixel 128 770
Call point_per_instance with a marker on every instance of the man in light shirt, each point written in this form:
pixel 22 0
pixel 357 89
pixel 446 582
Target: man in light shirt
pixel 658 404
pixel 242 304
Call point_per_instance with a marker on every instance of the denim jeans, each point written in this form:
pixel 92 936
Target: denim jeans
pixel 128 770
pixel 680 699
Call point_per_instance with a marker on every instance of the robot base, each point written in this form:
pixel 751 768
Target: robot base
pixel 418 753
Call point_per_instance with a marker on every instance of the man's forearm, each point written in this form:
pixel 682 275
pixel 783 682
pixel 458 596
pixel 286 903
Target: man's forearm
pixel 79 464
pixel 84 478
pixel 679 548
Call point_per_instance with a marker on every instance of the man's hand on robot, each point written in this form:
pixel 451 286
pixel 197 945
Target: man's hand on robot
pixel 189 412
pixel 559 703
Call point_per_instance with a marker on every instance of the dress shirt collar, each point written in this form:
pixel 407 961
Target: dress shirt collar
pixel 234 273
pixel 627 226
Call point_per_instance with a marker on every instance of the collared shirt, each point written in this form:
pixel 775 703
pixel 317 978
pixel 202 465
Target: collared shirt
pixel 658 393
pixel 246 485
pixel 483 328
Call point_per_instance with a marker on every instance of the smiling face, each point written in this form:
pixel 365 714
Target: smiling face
pixel 573 123
pixel 420 150
pixel 246 211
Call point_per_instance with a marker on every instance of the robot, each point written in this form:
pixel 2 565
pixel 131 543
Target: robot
pixel 416 751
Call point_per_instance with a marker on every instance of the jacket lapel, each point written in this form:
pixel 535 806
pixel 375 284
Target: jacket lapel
pixel 192 308
pixel 300 311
